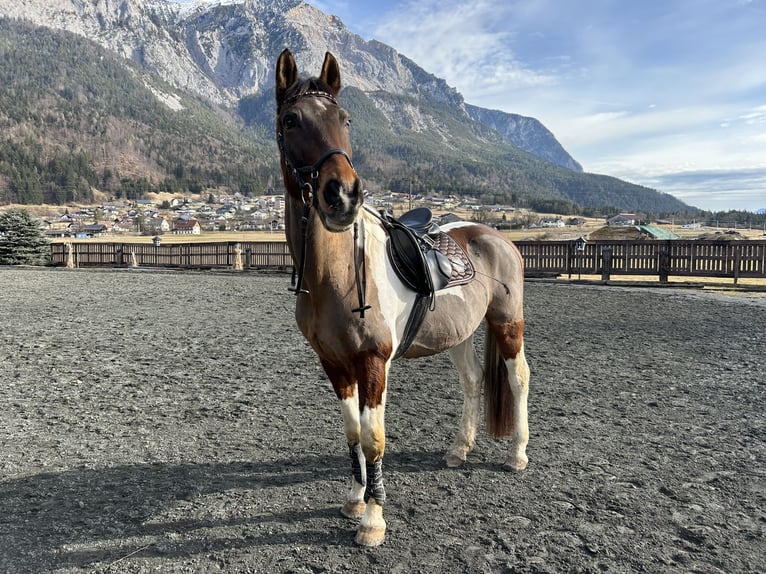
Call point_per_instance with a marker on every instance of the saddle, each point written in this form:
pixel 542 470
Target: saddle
pixel 426 259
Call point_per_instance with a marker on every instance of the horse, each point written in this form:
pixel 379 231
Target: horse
pixel 353 308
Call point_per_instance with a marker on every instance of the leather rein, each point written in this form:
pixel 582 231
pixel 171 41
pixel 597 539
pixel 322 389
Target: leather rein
pixel 309 197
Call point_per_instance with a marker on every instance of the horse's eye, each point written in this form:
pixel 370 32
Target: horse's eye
pixel 290 121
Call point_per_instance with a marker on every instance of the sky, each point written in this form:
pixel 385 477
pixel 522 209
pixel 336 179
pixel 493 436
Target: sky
pixel 670 94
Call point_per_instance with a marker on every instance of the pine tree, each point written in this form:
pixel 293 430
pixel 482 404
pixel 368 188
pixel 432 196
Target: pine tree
pixel 22 240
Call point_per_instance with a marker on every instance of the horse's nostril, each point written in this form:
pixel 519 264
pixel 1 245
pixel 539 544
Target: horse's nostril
pixel 357 194
pixel 332 194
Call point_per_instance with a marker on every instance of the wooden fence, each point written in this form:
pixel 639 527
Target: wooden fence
pixel 685 258
pixel 210 255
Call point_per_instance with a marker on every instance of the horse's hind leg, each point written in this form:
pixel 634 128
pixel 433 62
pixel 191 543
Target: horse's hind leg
pixel 509 341
pixel 469 367
pixel 518 379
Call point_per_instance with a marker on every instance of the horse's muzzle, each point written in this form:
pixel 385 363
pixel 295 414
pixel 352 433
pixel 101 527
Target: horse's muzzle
pixel 339 203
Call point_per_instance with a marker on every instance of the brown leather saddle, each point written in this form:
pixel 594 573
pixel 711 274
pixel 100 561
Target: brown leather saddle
pixel 426 259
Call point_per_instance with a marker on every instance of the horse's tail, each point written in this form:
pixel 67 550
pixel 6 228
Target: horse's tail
pixel 498 399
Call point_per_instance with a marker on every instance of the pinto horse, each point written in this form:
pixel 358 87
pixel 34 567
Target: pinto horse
pixel 353 308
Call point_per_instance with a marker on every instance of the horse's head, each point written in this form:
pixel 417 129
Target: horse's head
pixel 314 145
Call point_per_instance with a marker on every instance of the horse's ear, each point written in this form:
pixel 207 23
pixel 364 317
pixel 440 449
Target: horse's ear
pixel 331 73
pixel 287 74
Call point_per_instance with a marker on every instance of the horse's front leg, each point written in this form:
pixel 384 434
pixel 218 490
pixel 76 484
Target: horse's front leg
pixel 363 402
pixel 346 390
pixel 372 371
pixel 355 504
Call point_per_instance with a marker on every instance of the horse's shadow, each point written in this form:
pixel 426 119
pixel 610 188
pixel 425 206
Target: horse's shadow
pixel 73 518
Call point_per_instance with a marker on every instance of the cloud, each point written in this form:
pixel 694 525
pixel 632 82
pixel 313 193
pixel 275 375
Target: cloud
pixel 467 44
pixel 717 189
pixel 755 116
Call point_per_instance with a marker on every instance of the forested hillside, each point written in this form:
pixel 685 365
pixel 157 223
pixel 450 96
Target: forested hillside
pixel 74 118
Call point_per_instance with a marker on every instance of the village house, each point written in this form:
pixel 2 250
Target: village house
pixel 623 219
pixel 124 225
pixel 551 222
pixel 156 225
pixel 95 230
pixel 61 228
pixel 186 227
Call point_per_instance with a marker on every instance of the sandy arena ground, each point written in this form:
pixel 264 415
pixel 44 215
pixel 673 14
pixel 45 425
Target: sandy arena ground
pixel 177 422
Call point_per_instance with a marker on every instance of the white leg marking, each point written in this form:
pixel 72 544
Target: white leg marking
pixel 471 375
pixel 518 376
pixel 354 506
pixel 372 528
pixel 374 430
pixel 349 408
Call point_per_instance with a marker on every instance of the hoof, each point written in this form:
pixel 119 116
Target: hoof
pixel 515 464
pixel 370 535
pixel 453 460
pixel 353 509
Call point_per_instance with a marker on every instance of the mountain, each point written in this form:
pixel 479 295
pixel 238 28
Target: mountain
pixel 215 61
pixel 526 133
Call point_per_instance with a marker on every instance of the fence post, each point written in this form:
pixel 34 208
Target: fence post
pixel 664 265
pixel 737 260
pixel 248 257
pixel 579 245
pixel 606 263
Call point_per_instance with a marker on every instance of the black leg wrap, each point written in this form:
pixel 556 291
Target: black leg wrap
pixel 375 482
pixel 357 462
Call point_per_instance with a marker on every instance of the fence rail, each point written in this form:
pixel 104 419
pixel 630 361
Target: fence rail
pixel 690 258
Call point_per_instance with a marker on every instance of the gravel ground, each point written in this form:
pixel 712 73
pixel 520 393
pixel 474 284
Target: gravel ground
pixel 177 422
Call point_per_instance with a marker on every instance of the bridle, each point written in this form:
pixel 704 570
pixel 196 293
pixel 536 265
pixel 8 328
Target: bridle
pixel 309 188
pixel 309 198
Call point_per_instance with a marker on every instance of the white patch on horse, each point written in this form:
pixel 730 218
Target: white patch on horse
pixel 394 304
pixel 320 103
pixel 451 292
